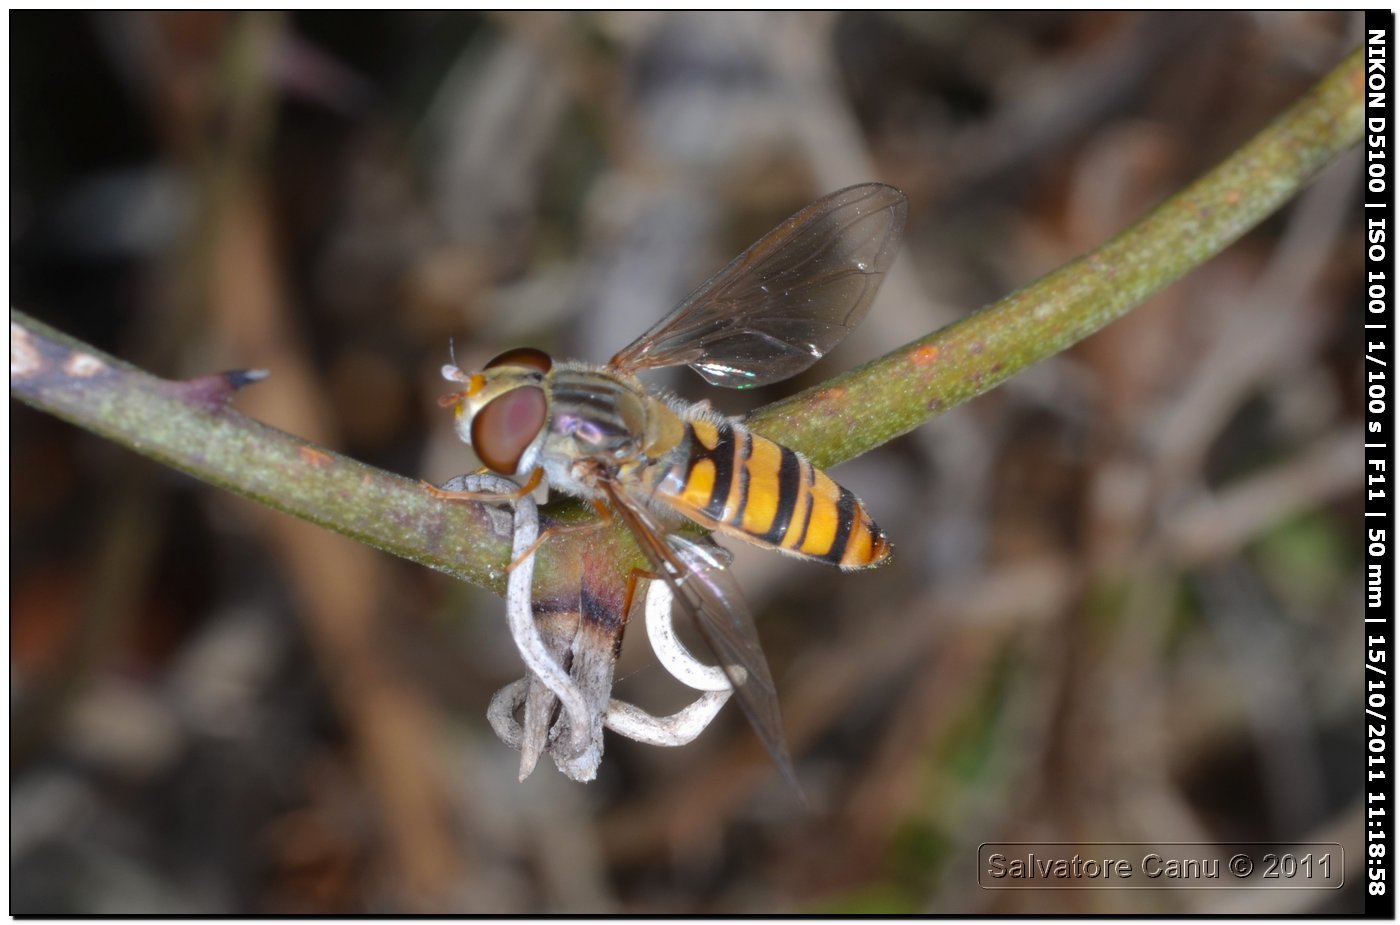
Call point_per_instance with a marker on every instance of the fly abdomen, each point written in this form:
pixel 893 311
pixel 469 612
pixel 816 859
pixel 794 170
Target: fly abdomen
pixel 751 487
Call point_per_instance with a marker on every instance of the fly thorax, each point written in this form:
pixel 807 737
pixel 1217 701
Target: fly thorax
pixel 597 417
pixel 589 435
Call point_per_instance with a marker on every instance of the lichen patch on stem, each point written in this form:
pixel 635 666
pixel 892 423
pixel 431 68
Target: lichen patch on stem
pixel 25 359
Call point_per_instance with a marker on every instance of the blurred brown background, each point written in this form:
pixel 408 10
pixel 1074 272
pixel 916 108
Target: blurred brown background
pixel 1125 602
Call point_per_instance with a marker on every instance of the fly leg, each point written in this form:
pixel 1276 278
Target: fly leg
pixel 604 518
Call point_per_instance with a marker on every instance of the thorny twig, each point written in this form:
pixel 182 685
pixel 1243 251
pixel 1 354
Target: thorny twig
pixel 191 426
pixel 832 422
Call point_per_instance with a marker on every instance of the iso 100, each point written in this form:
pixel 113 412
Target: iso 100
pixel 1293 867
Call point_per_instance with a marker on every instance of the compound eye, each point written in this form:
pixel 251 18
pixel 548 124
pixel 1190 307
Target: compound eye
pixel 524 356
pixel 507 425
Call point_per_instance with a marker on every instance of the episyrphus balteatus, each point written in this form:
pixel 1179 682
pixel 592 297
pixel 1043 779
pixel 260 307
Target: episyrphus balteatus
pixel 598 433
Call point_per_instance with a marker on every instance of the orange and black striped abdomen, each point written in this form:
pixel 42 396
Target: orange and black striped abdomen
pixel 746 486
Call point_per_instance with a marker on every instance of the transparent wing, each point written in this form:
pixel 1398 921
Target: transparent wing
pixel 704 588
pixel 785 302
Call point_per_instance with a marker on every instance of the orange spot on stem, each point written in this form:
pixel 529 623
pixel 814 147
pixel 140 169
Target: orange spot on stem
pixel 314 457
pixel 924 355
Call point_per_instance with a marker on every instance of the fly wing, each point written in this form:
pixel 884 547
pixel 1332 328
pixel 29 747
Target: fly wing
pixel 785 302
pixel 706 591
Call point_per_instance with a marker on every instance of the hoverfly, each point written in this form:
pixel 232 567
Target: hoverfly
pixel 598 433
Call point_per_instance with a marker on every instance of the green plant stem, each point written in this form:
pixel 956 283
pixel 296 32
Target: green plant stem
pixel 859 410
pixel 192 427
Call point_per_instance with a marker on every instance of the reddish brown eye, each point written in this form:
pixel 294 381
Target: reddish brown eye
pixel 508 424
pixel 524 356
